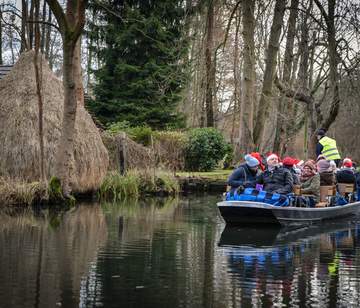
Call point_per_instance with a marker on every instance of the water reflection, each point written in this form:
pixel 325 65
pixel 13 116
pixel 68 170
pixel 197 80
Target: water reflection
pixel 172 253
pixel 315 266
pixel 163 256
pixel 44 254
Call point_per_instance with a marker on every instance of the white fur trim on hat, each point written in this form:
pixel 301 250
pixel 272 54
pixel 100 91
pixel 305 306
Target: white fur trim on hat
pixel 271 156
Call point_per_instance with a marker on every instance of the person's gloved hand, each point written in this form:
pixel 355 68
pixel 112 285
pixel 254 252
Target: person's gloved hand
pixel 240 189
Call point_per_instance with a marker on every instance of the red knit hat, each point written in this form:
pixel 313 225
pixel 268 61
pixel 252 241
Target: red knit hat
pixel 289 161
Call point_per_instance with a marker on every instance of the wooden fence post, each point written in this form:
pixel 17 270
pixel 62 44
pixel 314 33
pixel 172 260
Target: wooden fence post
pixel 122 148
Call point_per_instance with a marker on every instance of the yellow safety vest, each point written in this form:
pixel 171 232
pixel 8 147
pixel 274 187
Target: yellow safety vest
pixel 329 150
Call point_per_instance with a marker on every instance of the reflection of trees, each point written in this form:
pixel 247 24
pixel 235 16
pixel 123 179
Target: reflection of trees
pixel 164 254
pixel 43 258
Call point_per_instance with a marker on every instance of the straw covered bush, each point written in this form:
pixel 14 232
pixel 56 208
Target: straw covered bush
pixel 19 157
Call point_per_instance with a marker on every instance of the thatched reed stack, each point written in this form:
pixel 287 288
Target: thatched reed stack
pixel 19 158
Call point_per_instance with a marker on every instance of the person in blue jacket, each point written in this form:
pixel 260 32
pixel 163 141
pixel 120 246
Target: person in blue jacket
pixel 245 175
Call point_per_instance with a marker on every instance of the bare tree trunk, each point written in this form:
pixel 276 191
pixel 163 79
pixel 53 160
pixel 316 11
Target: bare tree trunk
pixel 333 66
pixel 48 36
pixel 1 31
pixel 246 142
pixel 90 57
pixel 285 107
pixel 24 44
pixel 71 26
pixel 78 74
pixel 38 79
pixel 209 65
pixel 31 25
pixel 43 27
pixel 11 45
pixel 237 79
pixel 64 157
pixel 272 50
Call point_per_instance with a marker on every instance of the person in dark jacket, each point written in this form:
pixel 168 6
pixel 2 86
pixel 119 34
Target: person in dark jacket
pixel 357 177
pixel 346 174
pixel 276 179
pixel 245 175
pixel 288 163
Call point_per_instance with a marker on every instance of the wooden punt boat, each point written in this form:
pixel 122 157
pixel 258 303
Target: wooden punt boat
pixel 247 212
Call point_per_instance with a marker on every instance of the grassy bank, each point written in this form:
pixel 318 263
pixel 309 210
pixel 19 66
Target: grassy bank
pixel 115 187
pixel 137 183
pixel 21 193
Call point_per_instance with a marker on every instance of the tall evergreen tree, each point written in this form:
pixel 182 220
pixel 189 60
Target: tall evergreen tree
pixel 143 53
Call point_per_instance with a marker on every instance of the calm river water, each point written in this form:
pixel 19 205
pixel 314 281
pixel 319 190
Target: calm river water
pixel 172 253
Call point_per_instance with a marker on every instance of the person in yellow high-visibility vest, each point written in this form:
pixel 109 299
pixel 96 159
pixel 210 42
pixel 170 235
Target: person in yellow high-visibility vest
pixel 326 147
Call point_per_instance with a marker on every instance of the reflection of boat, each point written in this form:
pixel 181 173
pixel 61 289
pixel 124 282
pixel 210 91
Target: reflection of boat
pixel 240 212
pixel 276 236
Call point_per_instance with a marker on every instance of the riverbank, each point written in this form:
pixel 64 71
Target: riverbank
pixel 135 184
pixel 214 181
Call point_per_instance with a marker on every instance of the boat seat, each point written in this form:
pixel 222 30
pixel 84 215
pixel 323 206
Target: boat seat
pixel 326 192
pixel 345 188
pixel 321 204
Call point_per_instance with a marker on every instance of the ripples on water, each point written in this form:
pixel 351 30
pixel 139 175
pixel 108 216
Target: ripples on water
pixel 172 253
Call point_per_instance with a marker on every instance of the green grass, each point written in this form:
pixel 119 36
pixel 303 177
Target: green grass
pixel 137 182
pixel 219 174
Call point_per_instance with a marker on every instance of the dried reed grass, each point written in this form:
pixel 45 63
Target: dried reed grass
pixel 16 193
pixel 19 158
pixel 137 156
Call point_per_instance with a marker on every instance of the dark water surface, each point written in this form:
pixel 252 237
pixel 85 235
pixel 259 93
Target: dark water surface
pixel 172 253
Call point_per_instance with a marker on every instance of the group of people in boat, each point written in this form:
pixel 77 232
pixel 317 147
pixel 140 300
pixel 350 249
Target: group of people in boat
pixel 274 175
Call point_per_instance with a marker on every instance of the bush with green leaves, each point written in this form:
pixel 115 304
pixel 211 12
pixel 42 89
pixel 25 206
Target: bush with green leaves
pixel 229 156
pixel 117 127
pixel 140 134
pixel 204 149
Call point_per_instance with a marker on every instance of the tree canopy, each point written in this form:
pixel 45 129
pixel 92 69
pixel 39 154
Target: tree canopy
pixel 142 51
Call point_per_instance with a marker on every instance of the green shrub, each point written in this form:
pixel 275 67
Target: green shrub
pixel 140 134
pixel 118 127
pixel 229 156
pixel 55 190
pixel 204 149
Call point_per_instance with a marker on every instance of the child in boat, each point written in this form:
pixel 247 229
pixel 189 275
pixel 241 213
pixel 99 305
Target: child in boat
pixel 276 179
pixel 245 175
pixel 310 181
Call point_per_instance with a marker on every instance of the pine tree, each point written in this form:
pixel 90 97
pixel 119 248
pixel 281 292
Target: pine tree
pixel 143 53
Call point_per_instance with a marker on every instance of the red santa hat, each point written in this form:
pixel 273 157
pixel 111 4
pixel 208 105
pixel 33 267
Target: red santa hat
pixel 347 163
